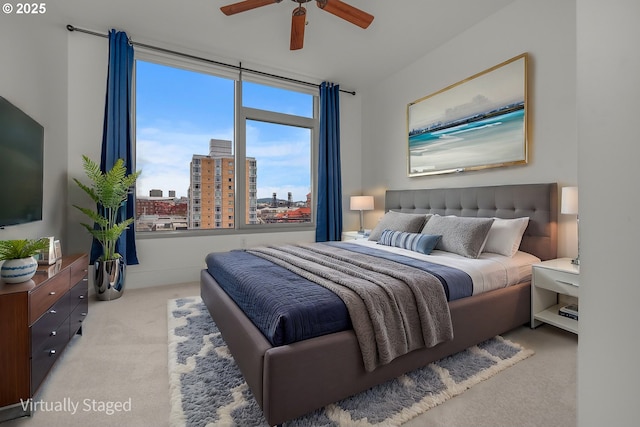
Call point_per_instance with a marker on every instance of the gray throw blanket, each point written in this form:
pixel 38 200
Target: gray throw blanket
pixel 394 308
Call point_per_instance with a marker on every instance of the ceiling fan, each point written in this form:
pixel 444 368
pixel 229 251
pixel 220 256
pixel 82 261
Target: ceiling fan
pixel 298 20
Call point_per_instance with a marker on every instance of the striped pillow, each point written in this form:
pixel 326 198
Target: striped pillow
pixel 417 242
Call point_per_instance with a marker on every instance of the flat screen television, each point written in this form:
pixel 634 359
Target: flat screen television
pixel 21 166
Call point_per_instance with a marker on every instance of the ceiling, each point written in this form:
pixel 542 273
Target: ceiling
pixel 334 50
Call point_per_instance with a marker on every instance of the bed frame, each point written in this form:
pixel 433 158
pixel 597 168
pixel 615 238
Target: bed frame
pixel 291 380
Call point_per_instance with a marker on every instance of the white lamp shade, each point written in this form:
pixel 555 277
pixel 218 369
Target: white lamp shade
pixel 569 204
pixel 361 203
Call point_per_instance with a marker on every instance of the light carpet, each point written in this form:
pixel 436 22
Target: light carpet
pixel 207 388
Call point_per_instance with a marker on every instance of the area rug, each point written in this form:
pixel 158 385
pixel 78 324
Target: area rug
pixel 207 388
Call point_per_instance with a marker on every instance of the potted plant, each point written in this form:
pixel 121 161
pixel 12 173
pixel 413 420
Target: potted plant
pixel 109 190
pixel 19 264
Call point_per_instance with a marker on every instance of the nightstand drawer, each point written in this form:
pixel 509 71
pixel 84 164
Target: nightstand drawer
pixel 557 281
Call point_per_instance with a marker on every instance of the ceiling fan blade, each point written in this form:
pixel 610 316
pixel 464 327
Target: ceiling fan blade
pixel 245 5
pixel 347 12
pixel 298 22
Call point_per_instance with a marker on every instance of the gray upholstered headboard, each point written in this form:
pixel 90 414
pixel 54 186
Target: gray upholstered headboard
pixel 537 201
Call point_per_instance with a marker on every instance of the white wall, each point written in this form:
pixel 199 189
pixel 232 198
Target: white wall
pixel 546 30
pixel 172 259
pixel 33 77
pixel 608 69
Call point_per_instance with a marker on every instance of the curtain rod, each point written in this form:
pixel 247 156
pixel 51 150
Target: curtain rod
pixel 211 61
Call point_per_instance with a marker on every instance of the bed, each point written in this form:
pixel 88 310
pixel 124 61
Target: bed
pixel 296 378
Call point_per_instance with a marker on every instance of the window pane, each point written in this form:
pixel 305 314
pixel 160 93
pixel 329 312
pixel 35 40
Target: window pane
pixel 278 173
pixel 178 114
pixel 276 99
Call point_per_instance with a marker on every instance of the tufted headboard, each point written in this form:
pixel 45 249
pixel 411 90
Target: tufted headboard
pixel 539 202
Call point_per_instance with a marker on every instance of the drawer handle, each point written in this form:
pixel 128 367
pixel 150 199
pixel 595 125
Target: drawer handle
pixel 81 297
pixel 85 279
pixel 52 293
pixel 52 352
pixel 567 283
pixel 53 334
pixel 84 314
pixel 52 311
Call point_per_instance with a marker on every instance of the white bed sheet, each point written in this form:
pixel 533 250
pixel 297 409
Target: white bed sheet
pixel 488 272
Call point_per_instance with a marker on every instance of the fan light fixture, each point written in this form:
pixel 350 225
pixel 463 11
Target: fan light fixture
pixel 299 16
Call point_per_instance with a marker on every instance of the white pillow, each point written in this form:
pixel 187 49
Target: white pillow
pixel 505 236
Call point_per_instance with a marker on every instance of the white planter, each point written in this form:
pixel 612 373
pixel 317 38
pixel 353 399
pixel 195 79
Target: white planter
pixel 18 270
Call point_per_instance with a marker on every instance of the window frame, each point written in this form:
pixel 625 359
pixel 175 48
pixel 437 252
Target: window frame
pixel 241 115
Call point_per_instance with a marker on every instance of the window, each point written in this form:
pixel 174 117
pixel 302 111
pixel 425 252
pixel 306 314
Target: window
pixel 189 145
pixel 277 148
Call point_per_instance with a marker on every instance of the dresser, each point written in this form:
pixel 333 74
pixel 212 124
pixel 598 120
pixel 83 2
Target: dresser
pixel 37 320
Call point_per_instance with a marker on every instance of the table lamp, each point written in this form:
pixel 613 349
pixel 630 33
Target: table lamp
pixel 361 203
pixel 569 206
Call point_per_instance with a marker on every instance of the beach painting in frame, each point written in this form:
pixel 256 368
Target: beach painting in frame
pixel 478 123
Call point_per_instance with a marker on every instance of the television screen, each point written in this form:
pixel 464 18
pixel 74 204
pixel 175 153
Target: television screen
pixel 21 166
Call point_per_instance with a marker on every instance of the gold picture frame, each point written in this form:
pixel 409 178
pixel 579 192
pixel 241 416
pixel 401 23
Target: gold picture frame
pixel 478 123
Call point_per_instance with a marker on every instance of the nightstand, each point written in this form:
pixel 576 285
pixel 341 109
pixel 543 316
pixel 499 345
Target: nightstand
pixel 551 279
pixel 353 235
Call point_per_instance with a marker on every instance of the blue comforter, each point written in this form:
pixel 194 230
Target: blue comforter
pixel 287 308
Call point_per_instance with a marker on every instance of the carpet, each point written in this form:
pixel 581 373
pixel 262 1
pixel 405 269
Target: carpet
pixel 207 388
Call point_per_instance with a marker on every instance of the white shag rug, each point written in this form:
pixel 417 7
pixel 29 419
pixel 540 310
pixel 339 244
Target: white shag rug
pixel 207 388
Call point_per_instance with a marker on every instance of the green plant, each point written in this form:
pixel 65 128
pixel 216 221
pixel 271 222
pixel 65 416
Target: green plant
pixel 109 190
pixel 18 249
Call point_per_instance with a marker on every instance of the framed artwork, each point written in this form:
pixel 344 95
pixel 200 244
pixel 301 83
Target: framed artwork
pixel 478 123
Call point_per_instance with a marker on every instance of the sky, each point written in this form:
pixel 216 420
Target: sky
pixel 179 111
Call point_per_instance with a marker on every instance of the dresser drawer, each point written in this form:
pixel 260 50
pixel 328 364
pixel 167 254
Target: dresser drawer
pixel 46 328
pixel 79 270
pixel 43 358
pixel 77 317
pixel 79 293
pixel 47 294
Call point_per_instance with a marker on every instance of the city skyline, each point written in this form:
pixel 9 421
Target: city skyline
pixel 178 112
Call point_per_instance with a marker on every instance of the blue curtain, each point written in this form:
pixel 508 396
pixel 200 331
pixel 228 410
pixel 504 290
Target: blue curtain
pixel 116 134
pixel 329 218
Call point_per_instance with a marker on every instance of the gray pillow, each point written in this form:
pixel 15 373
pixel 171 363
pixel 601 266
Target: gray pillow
pixel 397 221
pixel 464 236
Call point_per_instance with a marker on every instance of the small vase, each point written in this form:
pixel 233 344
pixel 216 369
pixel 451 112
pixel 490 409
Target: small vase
pixel 18 270
pixel 108 280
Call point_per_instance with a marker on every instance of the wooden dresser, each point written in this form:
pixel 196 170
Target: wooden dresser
pixel 37 320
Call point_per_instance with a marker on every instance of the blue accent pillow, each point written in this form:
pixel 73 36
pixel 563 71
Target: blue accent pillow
pixel 417 242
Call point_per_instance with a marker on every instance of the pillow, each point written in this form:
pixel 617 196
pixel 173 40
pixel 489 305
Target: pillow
pixel 417 242
pixel 505 235
pixel 464 236
pixel 397 221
